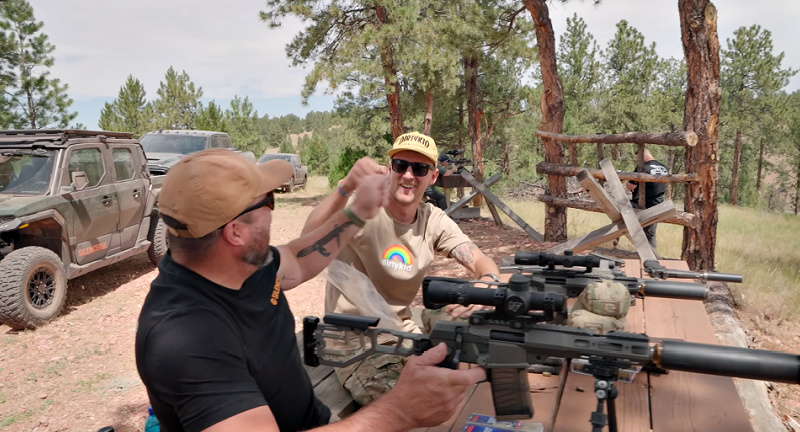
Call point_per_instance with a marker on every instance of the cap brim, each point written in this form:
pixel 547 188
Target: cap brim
pixel 274 173
pixel 394 151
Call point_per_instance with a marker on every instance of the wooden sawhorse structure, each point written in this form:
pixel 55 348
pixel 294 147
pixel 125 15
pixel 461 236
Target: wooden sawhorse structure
pixel 465 179
pixel 624 219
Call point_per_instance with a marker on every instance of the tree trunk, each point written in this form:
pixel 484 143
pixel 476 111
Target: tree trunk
pixel 701 115
pixel 552 105
pixel 428 120
pixel 573 154
pixel 473 114
pixel 600 155
pixel 797 186
pixel 737 156
pixel 390 81
pixel 760 165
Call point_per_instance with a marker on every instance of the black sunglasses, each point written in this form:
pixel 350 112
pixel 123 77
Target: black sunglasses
pixel 419 169
pixel 269 201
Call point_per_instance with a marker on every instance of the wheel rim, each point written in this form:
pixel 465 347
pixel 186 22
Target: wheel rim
pixel 42 288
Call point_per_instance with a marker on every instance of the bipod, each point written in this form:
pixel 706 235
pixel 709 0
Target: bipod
pixel 605 375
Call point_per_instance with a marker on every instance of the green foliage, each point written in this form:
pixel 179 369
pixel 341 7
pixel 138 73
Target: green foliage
pixel 129 112
pixel 314 154
pixel 241 122
pixel 211 118
pixel 30 97
pixel 178 101
pixel 345 161
pixel 286 146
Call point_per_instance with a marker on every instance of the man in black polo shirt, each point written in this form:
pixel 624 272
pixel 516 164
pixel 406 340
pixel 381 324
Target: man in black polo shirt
pixel 653 192
pixel 215 344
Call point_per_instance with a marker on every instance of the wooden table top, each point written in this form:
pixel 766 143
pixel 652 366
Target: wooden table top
pixel 677 401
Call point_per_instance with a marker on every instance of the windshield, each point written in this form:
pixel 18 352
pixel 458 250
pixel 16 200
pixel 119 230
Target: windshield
pixel 183 144
pixel 271 156
pixel 26 172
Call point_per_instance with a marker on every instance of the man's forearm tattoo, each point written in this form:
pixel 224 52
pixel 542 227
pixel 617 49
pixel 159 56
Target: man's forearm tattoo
pixel 319 245
pixel 463 253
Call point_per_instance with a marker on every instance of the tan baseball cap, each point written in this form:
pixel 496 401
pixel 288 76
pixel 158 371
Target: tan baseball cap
pixel 416 142
pixel 210 188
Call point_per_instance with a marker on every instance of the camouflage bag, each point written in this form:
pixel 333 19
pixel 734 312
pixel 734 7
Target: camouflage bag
pixel 606 298
pixel 582 318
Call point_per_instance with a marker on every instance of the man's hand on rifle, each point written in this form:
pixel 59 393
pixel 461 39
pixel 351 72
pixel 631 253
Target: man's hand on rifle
pixel 456 311
pixel 428 395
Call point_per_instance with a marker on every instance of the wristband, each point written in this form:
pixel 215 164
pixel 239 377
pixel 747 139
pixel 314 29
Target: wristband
pixel 341 189
pixel 353 217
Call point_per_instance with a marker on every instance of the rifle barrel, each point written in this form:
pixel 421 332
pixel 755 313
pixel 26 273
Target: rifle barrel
pixel 728 361
pixel 711 276
pixel 672 289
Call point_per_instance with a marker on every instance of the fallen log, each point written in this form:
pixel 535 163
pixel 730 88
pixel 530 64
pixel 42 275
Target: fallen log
pixel 569 171
pixel 674 139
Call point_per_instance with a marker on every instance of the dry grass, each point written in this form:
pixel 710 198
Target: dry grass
pixel 760 246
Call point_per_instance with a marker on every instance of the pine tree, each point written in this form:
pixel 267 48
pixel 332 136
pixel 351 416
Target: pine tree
pixel 31 98
pixel 178 101
pixel 241 122
pixel 129 112
pixel 211 118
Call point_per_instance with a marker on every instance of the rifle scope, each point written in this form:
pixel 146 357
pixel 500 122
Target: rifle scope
pixel 654 269
pixel 517 299
pixel 728 361
pixel 552 260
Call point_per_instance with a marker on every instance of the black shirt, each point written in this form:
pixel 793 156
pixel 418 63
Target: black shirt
pixel 206 352
pixel 653 192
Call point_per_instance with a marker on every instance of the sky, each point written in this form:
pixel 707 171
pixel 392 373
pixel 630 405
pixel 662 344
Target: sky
pixel 225 48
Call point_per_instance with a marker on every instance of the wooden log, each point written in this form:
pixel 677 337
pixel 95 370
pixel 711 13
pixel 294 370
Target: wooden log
pixel 674 139
pixel 682 218
pixel 569 171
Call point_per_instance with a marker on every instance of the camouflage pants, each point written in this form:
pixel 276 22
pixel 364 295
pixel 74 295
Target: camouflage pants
pixel 371 378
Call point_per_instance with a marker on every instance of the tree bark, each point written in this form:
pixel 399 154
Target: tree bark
pixel 674 139
pixel 552 106
pixel 428 120
pixel 573 154
pixel 390 81
pixel 473 114
pixel 701 115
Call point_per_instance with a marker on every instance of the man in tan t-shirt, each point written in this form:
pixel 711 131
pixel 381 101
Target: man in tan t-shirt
pixel 395 249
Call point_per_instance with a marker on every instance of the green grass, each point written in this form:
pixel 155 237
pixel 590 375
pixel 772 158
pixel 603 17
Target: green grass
pixel 760 246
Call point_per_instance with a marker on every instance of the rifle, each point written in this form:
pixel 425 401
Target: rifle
pixel 541 268
pixel 506 345
pixel 656 270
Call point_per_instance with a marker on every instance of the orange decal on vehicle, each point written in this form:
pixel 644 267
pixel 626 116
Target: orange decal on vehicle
pixel 92 249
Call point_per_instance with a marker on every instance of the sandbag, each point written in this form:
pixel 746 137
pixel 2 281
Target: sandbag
pixel 606 298
pixel 582 318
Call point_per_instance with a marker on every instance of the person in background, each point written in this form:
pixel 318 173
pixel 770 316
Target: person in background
pixel 395 249
pixel 653 192
pixel 434 193
pixel 215 342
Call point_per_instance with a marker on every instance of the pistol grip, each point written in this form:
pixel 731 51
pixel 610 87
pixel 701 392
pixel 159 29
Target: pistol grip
pixel 510 393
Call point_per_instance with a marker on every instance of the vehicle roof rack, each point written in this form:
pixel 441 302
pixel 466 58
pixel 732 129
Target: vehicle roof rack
pixel 58 135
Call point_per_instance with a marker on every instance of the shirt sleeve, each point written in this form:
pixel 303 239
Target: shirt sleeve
pixel 196 364
pixel 446 232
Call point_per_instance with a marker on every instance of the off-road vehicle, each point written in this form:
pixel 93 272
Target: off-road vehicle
pixel 70 202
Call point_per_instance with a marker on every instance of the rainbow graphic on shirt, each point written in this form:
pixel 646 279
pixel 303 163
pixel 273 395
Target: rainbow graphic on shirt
pixel 397 257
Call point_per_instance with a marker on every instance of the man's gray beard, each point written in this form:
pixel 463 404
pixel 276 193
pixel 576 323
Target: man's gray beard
pixel 258 258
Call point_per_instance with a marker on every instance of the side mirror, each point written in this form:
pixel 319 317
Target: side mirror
pixel 79 180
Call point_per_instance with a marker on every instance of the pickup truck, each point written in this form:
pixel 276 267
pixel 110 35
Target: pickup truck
pixel 71 202
pixel 300 176
pixel 164 148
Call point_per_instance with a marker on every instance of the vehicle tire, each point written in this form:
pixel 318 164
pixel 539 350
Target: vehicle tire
pixel 305 183
pixel 159 242
pixel 33 287
pixel 290 188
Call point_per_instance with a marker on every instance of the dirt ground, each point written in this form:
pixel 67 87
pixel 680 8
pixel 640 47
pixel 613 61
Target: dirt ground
pixel 78 372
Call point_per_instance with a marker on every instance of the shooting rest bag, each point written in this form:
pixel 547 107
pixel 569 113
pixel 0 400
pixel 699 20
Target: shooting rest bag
pixel 582 318
pixel 606 298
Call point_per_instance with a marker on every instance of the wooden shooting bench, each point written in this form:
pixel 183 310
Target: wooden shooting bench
pixel 676 401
